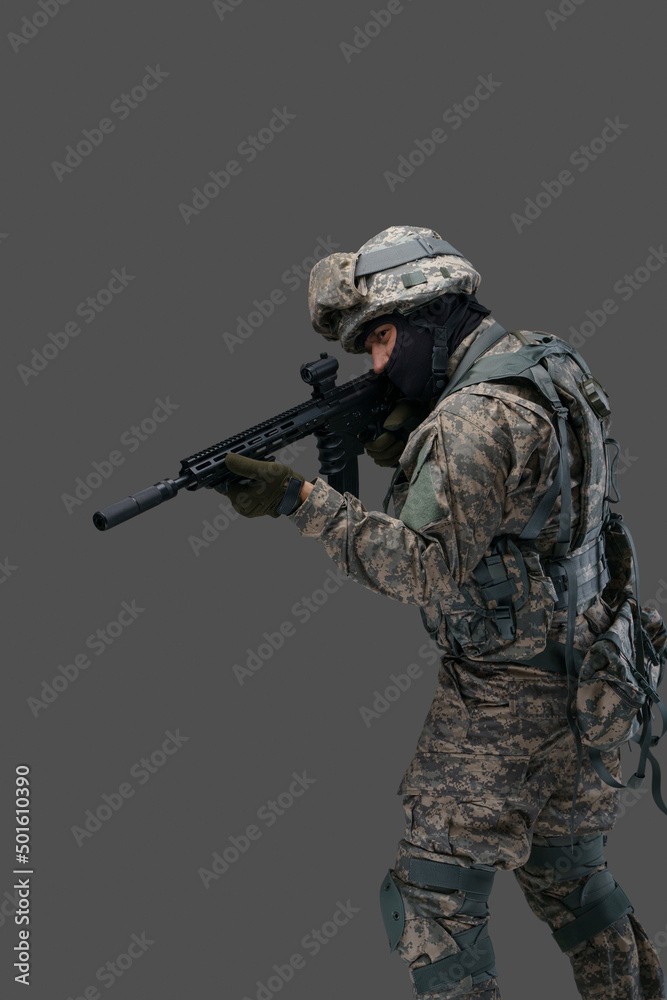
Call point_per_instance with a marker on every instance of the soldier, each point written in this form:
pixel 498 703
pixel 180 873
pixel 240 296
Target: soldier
pixel 499 500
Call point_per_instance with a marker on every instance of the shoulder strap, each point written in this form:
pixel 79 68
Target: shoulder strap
pixel 525 364
pixel 478 347
pixel 512 363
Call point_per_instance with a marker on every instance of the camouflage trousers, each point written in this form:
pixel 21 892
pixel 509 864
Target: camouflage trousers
pixel 493 777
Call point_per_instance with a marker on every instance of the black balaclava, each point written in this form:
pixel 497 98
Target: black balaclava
pixel 410 363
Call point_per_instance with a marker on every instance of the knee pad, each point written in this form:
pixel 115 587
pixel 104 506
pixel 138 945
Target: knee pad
pixel 475 957
pixel 596 904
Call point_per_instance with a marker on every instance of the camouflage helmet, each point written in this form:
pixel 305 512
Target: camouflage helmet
pixel 346 290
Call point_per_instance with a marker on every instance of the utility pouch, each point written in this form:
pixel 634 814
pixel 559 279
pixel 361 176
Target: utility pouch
pixel 609 694
pixel 655 634
pixel 611 691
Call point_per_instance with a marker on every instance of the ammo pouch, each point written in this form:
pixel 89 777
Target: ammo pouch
pixel 508 606
pixel 514 594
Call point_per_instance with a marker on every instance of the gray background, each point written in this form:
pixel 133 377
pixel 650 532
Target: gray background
pixel 323 176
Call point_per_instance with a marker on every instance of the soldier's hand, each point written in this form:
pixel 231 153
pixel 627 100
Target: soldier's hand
pixel 386 449
pixel 266 490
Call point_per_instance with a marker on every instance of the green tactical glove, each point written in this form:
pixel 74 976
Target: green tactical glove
pixel 386 449
pixel 275 490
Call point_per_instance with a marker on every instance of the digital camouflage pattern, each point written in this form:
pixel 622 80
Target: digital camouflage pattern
pixel 494 769
pixel 475 468
pixel 619 962
pixel 492 776
pixel 339 305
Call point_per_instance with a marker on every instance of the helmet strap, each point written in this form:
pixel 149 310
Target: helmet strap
pixel 441 337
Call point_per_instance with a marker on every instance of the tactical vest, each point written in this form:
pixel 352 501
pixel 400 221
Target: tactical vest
pixel 578 566
pixel 571 393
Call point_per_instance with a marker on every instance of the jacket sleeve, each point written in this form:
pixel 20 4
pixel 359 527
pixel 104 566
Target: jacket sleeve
pixel 453 509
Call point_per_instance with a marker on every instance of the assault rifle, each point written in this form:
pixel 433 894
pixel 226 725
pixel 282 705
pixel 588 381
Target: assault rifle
pixel 340 416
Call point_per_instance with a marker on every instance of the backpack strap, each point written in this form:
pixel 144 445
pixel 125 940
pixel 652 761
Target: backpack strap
pixel 479 346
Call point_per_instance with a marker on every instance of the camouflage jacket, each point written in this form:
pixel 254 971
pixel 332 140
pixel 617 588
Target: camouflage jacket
pixel 474 469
